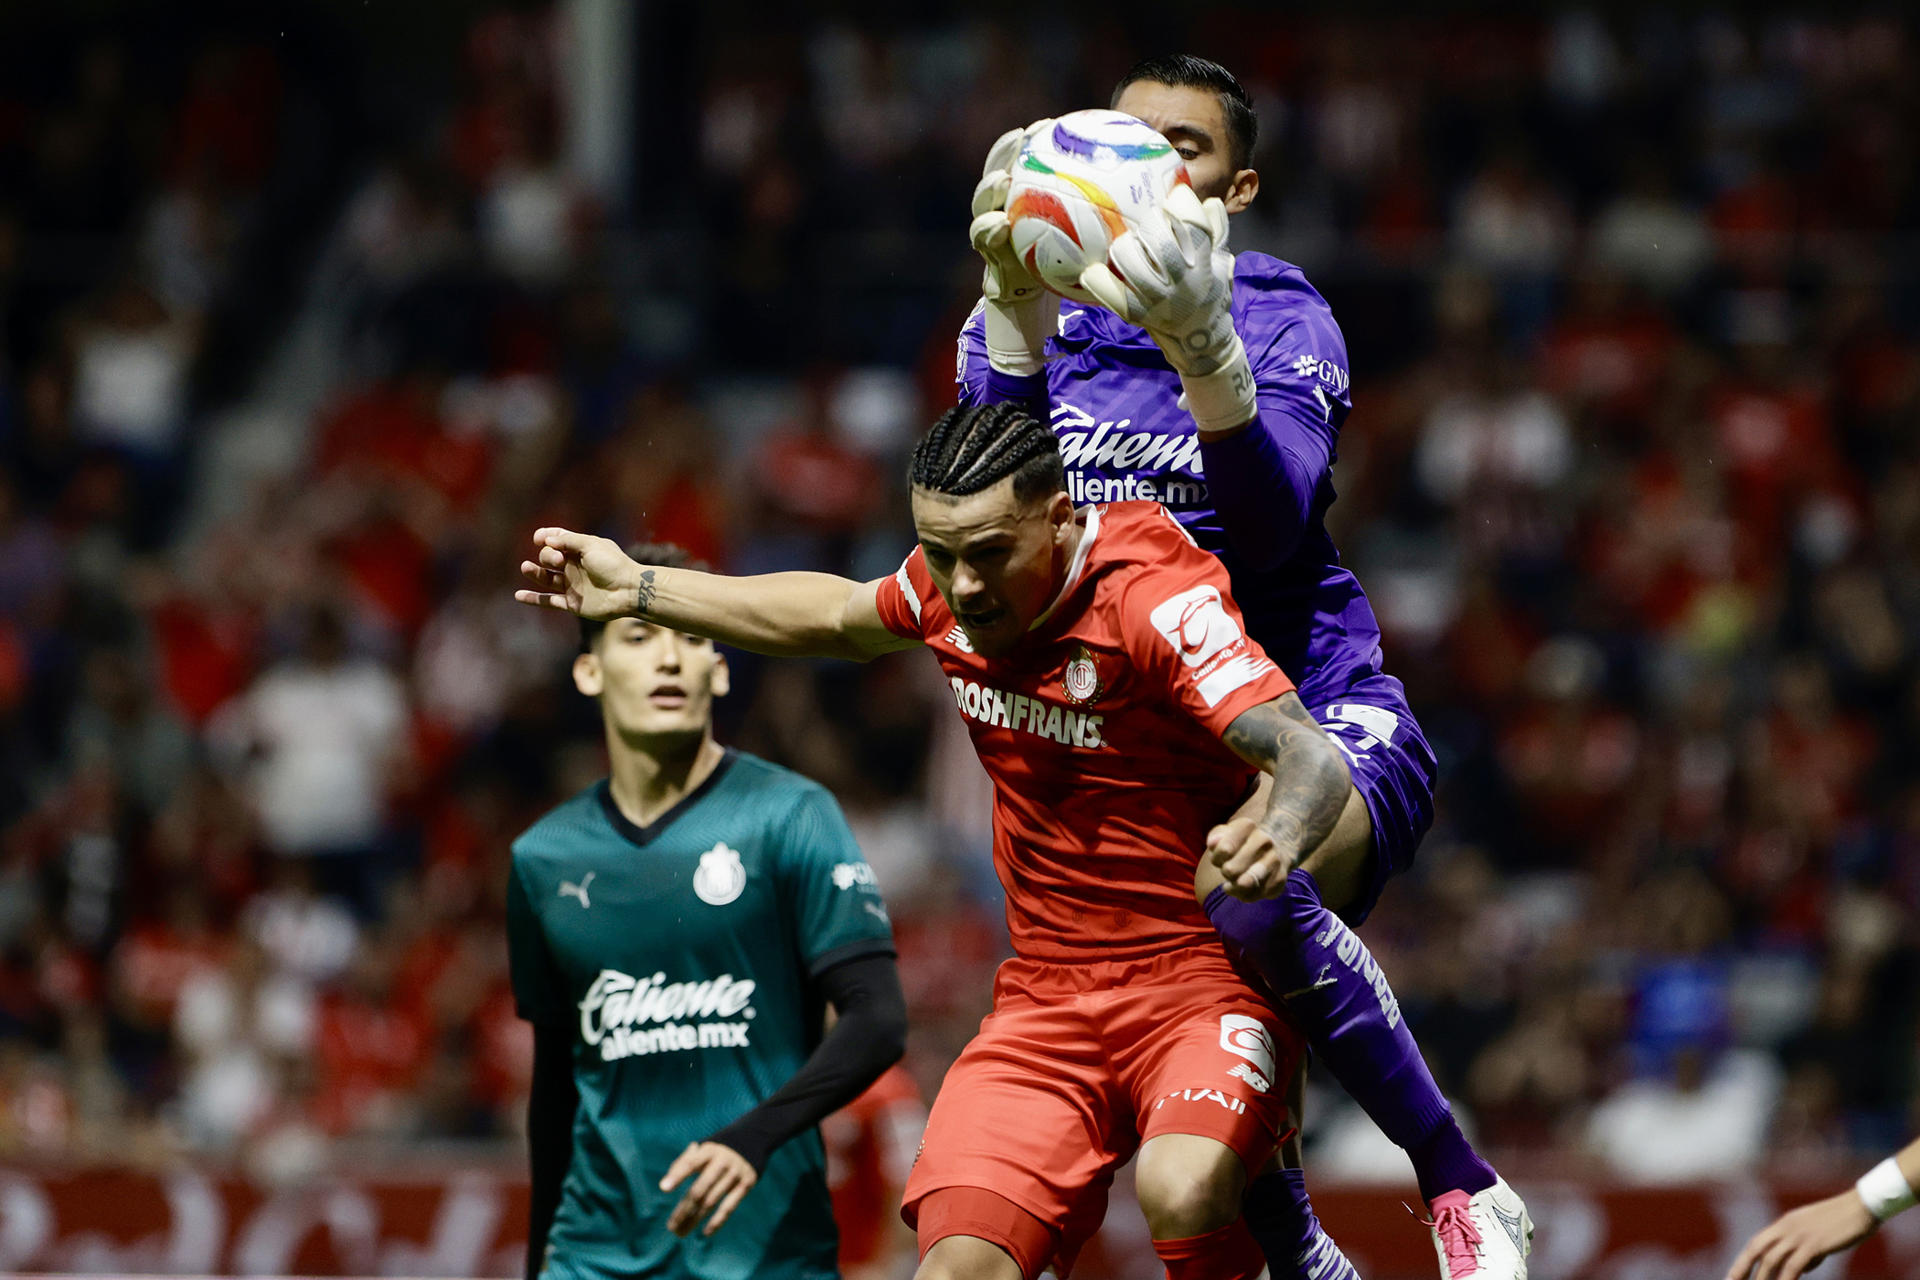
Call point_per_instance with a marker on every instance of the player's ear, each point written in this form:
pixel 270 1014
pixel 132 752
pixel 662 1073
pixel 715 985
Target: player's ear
pixel 1060 515
pixel 1241 191
pixel 587 676
pixel 720 680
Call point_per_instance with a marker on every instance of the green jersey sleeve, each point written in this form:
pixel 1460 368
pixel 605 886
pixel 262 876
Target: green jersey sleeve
pixel 539 994
pixel 838 913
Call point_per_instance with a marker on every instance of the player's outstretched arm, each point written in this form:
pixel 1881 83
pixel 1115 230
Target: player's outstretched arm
pixel 782 614
pixel 1310 786
pixel 1796 1242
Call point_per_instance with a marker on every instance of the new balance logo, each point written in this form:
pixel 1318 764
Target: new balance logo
pixel 958 639
pixel 1246 1071
pixel 568 889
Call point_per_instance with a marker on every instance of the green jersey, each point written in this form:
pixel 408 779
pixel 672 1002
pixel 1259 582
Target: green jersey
pixel 679 955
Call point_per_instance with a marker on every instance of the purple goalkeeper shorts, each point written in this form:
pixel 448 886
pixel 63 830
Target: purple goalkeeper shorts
pixel 1394 769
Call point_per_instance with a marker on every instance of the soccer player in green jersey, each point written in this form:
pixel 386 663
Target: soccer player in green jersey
pixel 677 932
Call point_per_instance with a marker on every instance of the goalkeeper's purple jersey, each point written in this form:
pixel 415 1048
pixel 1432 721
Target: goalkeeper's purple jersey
pixel 1114 403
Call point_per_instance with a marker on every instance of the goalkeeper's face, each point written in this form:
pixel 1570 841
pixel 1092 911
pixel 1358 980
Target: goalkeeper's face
pixel 998 561
pixel 655 685
pixel 1194 122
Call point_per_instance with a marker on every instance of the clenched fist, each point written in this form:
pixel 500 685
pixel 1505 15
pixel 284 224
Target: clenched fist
pixel 1254 861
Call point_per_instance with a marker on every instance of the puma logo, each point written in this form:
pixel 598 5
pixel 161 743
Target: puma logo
pixel 568 889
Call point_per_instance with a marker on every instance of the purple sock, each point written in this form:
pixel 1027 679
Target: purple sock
pixel 1339 996
pixel 1281 1220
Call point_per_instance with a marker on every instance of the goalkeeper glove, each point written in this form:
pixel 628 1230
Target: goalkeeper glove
pixel 1173 276
pixel 1020 315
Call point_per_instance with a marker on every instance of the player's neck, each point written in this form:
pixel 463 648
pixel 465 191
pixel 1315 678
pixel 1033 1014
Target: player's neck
pixel 645 784
pixel 1063 558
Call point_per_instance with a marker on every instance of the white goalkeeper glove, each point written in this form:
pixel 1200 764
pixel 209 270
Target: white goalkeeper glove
pixel 1173 276
pixel 1020 315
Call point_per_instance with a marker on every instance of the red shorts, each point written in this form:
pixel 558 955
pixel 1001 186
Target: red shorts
pixel 1078 1065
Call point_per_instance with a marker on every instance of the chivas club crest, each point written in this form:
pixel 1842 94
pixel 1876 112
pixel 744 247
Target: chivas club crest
pixel 1081 679
pixel 720 877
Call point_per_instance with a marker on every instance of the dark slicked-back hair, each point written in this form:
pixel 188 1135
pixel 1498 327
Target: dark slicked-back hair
pixel 1189 72
pixel 665 554
pixel 974 447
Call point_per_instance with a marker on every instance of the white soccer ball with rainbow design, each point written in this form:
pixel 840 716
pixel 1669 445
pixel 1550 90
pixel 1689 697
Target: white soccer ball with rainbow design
pixel 1079 185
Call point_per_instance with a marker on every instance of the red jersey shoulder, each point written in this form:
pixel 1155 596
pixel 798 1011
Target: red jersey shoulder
pixel 1176 612
pixel 1157 575
pixel 1143 533
pixel 911 606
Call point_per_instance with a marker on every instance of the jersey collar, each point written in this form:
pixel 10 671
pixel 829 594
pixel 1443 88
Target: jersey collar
pixel 1075 567
pixel 644 836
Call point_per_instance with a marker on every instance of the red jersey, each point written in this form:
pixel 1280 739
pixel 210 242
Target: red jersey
pixel 1102 734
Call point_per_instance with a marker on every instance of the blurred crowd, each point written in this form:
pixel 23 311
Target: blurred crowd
pixel 1633 478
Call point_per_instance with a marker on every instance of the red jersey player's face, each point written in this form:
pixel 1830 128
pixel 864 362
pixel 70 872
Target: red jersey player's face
pixel 1194 121
pixel 998 561
pixel 654 684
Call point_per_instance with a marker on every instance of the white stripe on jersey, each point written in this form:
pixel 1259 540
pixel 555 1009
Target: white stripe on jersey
pixel 907 588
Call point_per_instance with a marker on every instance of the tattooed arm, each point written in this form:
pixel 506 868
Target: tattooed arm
pixel 1309 789
pixel 784 614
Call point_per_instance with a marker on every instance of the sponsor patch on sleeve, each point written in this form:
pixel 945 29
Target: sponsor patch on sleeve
pixel 1196 623
pixel 1210 643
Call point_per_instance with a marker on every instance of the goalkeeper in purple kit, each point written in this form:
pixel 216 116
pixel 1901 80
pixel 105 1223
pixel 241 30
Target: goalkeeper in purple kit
pixel 1217 385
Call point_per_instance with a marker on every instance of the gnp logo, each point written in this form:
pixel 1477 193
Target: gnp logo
pixel 1196 624
pixel 1248 1038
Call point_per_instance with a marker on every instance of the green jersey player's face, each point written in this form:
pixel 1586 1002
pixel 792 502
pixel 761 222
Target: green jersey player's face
pixel 654 684
pixel 998 561
pixel 1195 123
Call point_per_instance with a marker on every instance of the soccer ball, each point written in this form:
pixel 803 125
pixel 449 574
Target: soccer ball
pixel 1079 185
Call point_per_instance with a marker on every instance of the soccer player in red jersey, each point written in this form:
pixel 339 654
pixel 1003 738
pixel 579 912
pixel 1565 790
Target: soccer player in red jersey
pixel 1124 715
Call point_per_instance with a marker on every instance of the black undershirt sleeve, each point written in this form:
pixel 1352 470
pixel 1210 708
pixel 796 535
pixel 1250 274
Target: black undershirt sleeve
pixel 868 1037
pixel 550 1107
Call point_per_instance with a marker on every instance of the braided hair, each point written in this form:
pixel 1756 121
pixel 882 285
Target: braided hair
pixel 974 447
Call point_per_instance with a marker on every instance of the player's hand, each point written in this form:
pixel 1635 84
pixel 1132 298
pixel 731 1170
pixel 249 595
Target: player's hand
pixel 1007 279
pixel 1173 276
pixel 1020 315
pixel 580 574
pixel 721 1179
pixel 1253 863
pixel 1798 1240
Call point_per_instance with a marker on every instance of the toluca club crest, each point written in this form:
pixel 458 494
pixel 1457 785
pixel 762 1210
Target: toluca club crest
pixel 1081 679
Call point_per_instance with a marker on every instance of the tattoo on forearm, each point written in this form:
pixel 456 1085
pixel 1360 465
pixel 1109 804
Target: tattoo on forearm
pixel 1309 786
pixel 643 593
